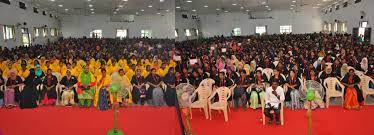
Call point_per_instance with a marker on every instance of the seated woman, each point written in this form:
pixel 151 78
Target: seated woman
pixel 2 82
pixel 240 90
pixel 12 92
pixel 277 77
pixel 101 100
pixel 69 94
pixel 292 97
pixel 86 81
pixel 127 98
pixel 257 92
pixel 155 95
pixel 29 95
pixel 138 91
pixel 353 98
pixel 169 80
pixel 49 94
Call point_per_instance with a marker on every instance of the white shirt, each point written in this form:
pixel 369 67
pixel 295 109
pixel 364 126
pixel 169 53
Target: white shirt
pixel 272 99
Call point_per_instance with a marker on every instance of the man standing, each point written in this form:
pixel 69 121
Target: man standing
pixel 274 96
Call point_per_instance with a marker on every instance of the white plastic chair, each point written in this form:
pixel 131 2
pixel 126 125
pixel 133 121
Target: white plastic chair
pixel 268 72
pixel 224 93
pixel 364 84
pixel 203 91
pixel 331 91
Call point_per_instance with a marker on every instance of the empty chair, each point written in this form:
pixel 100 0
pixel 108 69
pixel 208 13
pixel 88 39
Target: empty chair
pixel 203 92
pixel 331 91
pixel 364 84
pixel 223 94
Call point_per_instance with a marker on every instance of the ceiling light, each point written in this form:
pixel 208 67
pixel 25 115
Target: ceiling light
pixel 234 4
pixel 263 3
pixel 150 6
pixel 189 1
pixel 269 9
pixel 92 9
pixel 66 9
pixel 162 0
pixel 52 0
pixel 114 12
pixel 90 5
pixel 117 9
pixel 315 7
pixel 177 7
pixel 247 10
pixel 206 6
pixel 92 12
pixel 226 11
pixel 142 10
pixel 318 4
pixel 293 1
pixel 241 7
pixel 167 10
pixel 217 9
pixel 193 10
pixel 266 6
pixel 136 13
pixel 60 5
pixel 124 0
pixel 158 13
pixel 120 6
pixel 292 5
pixel 291 8
pixel 88 0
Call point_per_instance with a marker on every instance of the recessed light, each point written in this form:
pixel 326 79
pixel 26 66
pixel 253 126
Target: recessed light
pixel 52 0
pixel 193 10
pixel 88 0
pixel 226 11
pixel 150 6
pixel 266 6
pixel 158 13
pixel 162 0
pixel 177 7
pixel 142 10
pixel 124 0
pixel 217 9
pixel 247 10
pixel 241 7
pixel 90 5
pixel 120 6
pixel 92 9
pixel 92 12
pixel 66 9
pixel 291 8
pixel 167 10
pixel 293 1
pixel 117 9
pixel 234 4
pixel 136 13
pixel 292 5
pixel 318 4
pixel 269 9
pixel 189 1
pixel 60 5
pixel 206 6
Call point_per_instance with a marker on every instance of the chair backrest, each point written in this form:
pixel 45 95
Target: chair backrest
pixel 223 94
pixel 58 76
pixel 268 72
pixel 330 84
pixel 207 83
pixel 205 89
pixel 364 83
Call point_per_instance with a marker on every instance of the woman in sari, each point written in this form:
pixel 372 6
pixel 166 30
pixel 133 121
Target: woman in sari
pixel 154 93
pixel 292 97
pixel 49 94
pixel 101 100
pixel 125 92
pixel 69 95
pixel 86 81
pixel 12 92
pixel 138 91
pixel 169 79
pixel 240 90
pixel 29 95
pixel 257 92
pixel 353 98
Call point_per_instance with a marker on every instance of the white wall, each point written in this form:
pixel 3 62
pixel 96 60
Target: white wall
pixel 351 15
pixel 185 23
pixel 306 21
pixel 12 14
pixel 79 25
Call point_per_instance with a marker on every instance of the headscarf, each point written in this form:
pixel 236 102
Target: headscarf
pixel 38 71
pixel 364 64
pixel 344 69
pixel 30 79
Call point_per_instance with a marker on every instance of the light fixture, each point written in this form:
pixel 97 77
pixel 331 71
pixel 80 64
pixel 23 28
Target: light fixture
pixel 136 13
pixel 234 4
pixel 125 0
pixel 206 6
pixel 120 6
pixel 291 8
pixel 266 6
pixel 60 5
pixel 117 9
pixel 189 1
pixel 263 3
pixel 90 5
pixel 318 4
pixel 52 0
pixel 226 11
pixel 92 12
pixel 269 9
pixel 66 9
pixel 162 0
pixel 167 10
pixel 88 0
pixel 292 5
pixel 217 9
pixel 293 1
pixel 247 10
pixel 193 10
pixel 142 10
pixel 241 7
pixel 177 7
pixel 150 6
pixel 158 13
pixel 92 9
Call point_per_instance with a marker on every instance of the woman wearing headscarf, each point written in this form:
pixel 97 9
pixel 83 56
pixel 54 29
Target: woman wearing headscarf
pixel 49 94
pixel 154 93
pixel 12 92
pixel 29 95
pixel 364 66
pixel 169 79
pixel 69 94
pixel 353 98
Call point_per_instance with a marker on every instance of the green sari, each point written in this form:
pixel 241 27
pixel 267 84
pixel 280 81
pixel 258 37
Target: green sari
pixel 86 80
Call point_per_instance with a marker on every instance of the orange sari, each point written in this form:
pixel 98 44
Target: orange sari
pixel 351 101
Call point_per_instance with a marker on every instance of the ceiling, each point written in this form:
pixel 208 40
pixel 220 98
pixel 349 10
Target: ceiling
pixel 217 6
pixel 88 7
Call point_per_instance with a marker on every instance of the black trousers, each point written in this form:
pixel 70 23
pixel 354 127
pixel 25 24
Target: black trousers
pixel 270 115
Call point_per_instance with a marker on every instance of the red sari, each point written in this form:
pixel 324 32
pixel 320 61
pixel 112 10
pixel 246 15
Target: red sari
pixel 351 101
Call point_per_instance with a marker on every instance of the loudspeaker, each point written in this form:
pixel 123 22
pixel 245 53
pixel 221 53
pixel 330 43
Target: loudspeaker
pixel 362 17
pixel 24 23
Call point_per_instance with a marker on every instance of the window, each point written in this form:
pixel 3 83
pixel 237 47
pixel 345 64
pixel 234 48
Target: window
pixel 36 10
pixel 260 30
pixel 8 32
pixel 121 33
pixel 329 27
pixel 237 31
pixel 45 32
pixel 176 32
pixel 96 34
pixel 344 28
pixel 335 27
pixel 36 30
pixel 197 32
pixel 364 24
pixel 53 32
pixel 187 32
pixel 325 27
pixel 345 4
pixel 25 37
pixel 22 5
pixel 146 33
pixel 44 13
pixel 287 29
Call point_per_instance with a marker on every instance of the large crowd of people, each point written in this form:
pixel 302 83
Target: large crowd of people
pixel 244 62
pixel 81 71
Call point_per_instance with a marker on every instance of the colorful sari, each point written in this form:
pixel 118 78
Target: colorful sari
pixel 351 101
